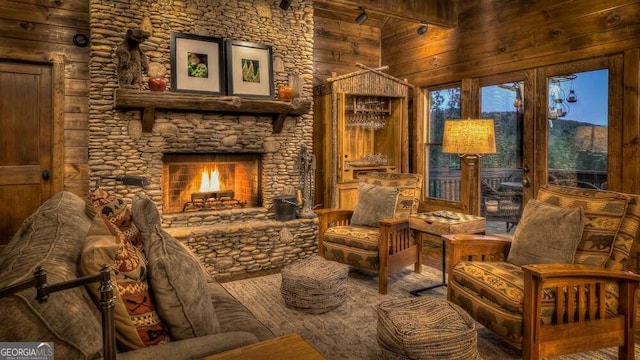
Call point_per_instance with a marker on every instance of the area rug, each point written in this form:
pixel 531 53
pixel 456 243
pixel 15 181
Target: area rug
pixel 349 331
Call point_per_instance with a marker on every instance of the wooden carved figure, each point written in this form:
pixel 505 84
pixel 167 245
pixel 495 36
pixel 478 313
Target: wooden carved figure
pixel 131 60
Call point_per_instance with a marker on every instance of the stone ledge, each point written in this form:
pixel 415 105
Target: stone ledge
pixel 234 227
pixel 238 248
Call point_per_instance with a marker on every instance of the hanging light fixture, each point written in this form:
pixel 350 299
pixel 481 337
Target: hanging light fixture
pixel 422 29
pixel 558 101
pixel 517 103
pixel 572 92
pixel 362 17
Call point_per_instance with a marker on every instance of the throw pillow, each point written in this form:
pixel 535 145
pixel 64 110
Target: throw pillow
pixel 114 240
pixel 374 202
pixel 409 186
pixel 178 281
pixel 546 234
pixel 116 214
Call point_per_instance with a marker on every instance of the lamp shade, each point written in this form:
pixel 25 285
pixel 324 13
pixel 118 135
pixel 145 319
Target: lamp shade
pixel 472 136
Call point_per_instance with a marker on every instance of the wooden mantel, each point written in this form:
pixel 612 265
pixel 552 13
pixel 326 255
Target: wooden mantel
pixel 149 101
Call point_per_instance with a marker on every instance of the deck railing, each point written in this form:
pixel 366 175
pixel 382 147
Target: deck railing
pixel 445 183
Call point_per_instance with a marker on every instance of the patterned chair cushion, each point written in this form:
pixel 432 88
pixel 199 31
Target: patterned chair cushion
pixel 351 256
pixel 603 210
pixel 493 293
pixel 353 245
pixel 356 236
pixel 410 186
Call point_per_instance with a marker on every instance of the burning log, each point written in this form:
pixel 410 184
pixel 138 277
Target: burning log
pixel 215 195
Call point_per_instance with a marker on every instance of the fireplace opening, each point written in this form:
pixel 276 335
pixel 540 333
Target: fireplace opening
pixel 197 182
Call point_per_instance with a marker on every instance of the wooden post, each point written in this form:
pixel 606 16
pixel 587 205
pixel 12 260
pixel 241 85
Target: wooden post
pixel 470 175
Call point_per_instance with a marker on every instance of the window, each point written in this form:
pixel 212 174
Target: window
pixel 443 170
pixel 501 182
pixel 504 104
pixel 578 127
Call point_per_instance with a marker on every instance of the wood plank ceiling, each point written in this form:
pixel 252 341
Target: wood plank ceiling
pixel 437 12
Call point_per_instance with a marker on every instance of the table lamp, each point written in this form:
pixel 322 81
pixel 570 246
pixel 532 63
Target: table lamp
pixel 470 139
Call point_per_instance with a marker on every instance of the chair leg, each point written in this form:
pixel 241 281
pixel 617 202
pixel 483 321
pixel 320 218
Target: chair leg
pixel 382 278
pixel 418 265
pixel 382 284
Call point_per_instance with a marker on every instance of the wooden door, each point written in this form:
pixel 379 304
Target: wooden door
pixel 25 143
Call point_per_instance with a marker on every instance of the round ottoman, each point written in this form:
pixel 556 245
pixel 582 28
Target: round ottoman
pixel 426 328
pixel 314 285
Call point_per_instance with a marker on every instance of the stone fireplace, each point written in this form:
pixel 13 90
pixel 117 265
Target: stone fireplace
pixel 218 181
pixel 232 228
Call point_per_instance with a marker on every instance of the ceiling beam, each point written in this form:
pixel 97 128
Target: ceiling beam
pixel 437 12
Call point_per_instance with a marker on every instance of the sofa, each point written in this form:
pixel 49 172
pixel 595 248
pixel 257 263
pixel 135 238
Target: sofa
pixel 55 238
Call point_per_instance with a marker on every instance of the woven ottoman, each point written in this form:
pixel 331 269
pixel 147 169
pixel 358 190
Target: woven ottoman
pixel 426 328
pixel 314 285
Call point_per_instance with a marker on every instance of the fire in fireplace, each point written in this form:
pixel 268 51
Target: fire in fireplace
pixel 195 182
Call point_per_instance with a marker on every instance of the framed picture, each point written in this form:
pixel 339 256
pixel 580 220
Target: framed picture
pixel 249 69
pixel 197 64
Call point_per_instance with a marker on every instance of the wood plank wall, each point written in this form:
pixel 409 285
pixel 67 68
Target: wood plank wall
pixel 40 31
pixel 494 37
pixel 340 43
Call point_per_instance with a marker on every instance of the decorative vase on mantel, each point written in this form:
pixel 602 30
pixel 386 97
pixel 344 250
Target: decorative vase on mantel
pixel 285 92
pixel 157 84
pixel 157 81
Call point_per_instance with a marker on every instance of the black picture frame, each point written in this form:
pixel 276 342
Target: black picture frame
pixel 246 63
pixel 197 64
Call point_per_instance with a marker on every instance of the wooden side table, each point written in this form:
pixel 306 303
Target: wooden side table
pixel 432 225
pixel 285 347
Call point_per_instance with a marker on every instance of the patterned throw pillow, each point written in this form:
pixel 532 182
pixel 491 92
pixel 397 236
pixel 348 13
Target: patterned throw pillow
pixel 603 213
pixel 621 258
pixel 113 239
pixel 410 186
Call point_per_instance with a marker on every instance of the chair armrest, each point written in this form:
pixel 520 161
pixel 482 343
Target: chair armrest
pixel 471 247
pixel 333 215
pixel 549 272
pixel 581 292
pixel 394 221
pixel 330 217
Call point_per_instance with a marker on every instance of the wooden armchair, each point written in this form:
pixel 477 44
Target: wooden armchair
pixel 555 309
pixel 386 248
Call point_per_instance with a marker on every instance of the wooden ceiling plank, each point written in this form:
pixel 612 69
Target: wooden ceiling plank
pixel 438 12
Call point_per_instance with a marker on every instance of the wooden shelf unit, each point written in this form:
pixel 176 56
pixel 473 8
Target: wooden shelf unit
pixel 149 101
pixel 360 125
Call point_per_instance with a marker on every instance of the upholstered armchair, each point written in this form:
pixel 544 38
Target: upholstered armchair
pixel 376 234
pixel 555 296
